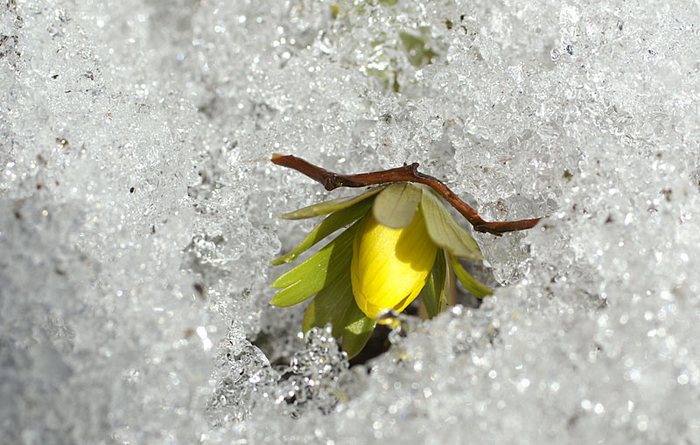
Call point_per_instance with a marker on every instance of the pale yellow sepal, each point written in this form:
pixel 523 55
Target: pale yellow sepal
pixel 390 266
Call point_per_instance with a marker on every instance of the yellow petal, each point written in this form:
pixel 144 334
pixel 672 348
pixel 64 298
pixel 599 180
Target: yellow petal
pixel 390 266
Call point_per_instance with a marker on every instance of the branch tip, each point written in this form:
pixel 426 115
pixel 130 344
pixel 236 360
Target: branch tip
pixel 407 173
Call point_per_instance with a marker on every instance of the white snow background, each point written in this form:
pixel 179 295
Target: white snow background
pixel 138 216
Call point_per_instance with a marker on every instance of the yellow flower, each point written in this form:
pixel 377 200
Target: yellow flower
pixel 400 244
pixel 390 266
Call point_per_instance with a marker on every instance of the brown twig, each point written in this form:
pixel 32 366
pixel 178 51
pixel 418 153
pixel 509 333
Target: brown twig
pixel 407 173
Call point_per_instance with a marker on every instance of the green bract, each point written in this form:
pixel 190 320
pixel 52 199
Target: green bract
pixel 379 219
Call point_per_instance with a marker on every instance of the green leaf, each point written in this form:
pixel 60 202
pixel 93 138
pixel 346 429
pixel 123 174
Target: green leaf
pixel 434 293
pixel 335 304
pixel 326 207
pixel 331 304
pixel 358 329
pixel 476 288
pixel 333 222
pixel 445 232
pixel 417 50
pixel 449 285
pixel 395 206
pixel 309 277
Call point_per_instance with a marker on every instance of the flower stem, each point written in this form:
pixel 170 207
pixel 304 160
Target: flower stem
pixel 408 173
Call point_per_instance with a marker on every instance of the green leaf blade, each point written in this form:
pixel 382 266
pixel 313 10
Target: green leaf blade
pixel 326 207
pixel 479 290
pixel 335 304
pixel 430 294
pixel 311 276
pixel 358 329
pixel 330 305
pixel 329 225
pixel 434 293
pixel 417 50
pixel 395 206
pixel 445 231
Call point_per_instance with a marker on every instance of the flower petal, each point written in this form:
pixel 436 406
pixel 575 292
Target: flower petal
pixel 445 232
pixel 395 206
pixel 390 266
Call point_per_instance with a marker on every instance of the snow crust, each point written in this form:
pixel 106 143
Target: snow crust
pixel 138 217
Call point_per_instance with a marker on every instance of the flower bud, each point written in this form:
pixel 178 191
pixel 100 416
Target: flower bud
pixel 390 266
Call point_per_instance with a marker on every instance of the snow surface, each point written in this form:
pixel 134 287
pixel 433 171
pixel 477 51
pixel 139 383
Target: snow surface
pixel 138 217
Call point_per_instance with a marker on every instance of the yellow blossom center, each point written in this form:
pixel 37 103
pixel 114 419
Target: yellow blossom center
pixel 390 266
